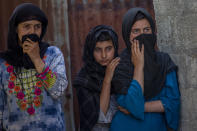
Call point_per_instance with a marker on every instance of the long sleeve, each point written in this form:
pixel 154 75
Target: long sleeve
pixel 110 112
pixel 54 73
pixel 171 100
pixel 133 101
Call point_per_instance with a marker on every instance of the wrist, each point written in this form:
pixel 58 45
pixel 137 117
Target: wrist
pixel 145 107
pixel 39 65
pixel 37 61
pixel 106 82
pixel 139 67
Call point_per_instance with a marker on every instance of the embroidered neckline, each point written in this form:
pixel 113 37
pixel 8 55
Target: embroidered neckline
pixel 28 99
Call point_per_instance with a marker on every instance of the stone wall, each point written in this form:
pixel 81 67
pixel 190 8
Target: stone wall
pixel 177 35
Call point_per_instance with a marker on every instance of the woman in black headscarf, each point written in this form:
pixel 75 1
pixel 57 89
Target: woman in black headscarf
pixel 14 55
pixel 93 83
pixel 145 80
pixel 32 75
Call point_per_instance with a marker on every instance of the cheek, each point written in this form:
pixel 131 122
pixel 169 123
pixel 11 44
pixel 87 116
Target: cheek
pixel 20 35
pixel 96 57
pixel 39 32
pixel 132 36
pixel 111 55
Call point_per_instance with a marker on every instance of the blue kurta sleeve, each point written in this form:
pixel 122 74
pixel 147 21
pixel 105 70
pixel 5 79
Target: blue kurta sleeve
pixel 171 100
pixel 133 101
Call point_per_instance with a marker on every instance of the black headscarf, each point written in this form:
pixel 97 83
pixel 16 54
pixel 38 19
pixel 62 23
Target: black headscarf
pixel 14 54
pixel 156 65
pixel 89 80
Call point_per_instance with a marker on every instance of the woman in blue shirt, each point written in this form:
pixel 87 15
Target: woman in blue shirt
pixel 145 79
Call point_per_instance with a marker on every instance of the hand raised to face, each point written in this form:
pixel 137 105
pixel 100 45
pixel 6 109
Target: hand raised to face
pixel 137 56
pixel 32 49
pixel 109 72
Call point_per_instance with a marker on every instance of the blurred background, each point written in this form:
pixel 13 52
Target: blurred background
pixel 69 23
pixel 71 20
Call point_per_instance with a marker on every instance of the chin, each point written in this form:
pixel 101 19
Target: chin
pixel 104 64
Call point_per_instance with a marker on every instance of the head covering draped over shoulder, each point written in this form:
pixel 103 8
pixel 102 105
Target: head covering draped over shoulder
pixel 14 54
pixel 156 64
pixel 88 82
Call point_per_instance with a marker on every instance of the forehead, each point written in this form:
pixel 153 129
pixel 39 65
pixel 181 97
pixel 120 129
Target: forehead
pixel 31 22
pixel 141 23
pixel 103 44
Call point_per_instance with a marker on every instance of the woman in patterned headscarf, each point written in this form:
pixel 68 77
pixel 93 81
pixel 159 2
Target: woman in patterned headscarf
pixel 93 83
pixel 32 75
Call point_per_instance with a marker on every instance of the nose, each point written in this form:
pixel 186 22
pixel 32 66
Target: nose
pixel 141 31
pixel 103 55
pixel 32 30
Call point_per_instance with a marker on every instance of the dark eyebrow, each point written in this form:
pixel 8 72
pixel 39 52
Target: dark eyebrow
pixel 147 27
pixel 135 29
pixel 109 46
pixel 97 48
pixel 38 24
pixel 26 24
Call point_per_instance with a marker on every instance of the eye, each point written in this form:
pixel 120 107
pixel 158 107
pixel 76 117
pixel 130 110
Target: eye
pixel 97 49
pixel 108 48
pixel 26 26
pixel 147 30
pixel 135 31
pixel 38 26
